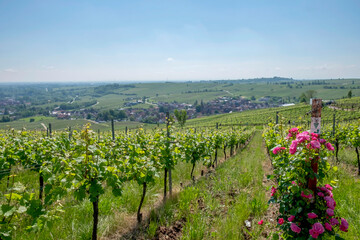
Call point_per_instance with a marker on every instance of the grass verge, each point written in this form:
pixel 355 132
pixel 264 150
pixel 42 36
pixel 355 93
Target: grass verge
pixel 215 207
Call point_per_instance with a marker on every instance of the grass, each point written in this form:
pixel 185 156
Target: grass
pixel 217 205
pixel 347 195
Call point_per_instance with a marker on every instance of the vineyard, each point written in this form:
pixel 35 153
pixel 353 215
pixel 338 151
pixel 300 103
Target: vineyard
pixel 292 116
pixel 187 179
pixel 350 104
pixel 71 167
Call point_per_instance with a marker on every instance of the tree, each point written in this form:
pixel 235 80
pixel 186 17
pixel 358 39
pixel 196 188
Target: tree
pixel 303 98
pixel 310 94
pixel 181 116
pixel 349 94
pixel 306 96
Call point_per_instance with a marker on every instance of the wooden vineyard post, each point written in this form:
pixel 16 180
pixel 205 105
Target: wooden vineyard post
pixel 277 117
pixel 168 139
pixel 70 133
pixel 333 131
pixel 315 128
pixel 216 150
pixel 50 130
pixel 112 129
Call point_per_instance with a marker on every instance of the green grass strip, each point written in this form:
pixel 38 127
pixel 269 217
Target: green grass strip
pixel 218 204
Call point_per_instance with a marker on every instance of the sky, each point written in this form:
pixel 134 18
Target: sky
pixel 173 40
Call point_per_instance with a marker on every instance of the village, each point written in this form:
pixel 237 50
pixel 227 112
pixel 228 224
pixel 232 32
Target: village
pixel 155 113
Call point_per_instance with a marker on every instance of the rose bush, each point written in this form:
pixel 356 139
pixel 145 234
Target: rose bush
pixel 304 213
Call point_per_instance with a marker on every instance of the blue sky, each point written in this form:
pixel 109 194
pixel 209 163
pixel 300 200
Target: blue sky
pixel 178 40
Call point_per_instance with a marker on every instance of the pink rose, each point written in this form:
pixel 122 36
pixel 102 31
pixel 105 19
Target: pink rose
pixel 312 215
pixel 315 135
pixel 322 141
pixel 328 187
pixel 273 190
pixel 281 221
pixel 277 150
pixel 344 225
pixel 261 222
pixel 315 144
pixel 334 221
pixel 293 147
pixel 306 196
pixel 329 146
pixel 316 230
pixel 302 137
pixel 330 212
pixel 294 131
pixel 295 228
pixel 330 202
pixel 291 218
pixel 320 194
pixel 328 226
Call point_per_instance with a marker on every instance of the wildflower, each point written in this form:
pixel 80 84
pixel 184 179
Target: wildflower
pixel 291 218
pixel 344 225
pixel 316 230
pixel 261 222
pixel 281 221
pixel 295 228
pixel 334 222
pixel 312 215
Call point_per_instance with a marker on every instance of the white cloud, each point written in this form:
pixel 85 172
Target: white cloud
pixel 277 68
pixel 10 70
pixel 170 59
